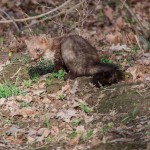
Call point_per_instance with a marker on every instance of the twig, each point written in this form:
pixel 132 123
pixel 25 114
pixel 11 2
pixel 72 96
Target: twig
pixel 137 40
pixel 16 73
pixel 38 16
pixel 59 14
pixel 11 19
pixel 145 32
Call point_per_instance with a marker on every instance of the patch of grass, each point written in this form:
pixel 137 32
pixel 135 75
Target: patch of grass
pixel 85 108
pixel 35 78
pixel 61 96
pixel 129 20
pixel 147 133
pixel 76 122
pixel 27 83
pixel 8 89
pixel 26 59
pixel 41 69
pixel 6 121
pixel 73 134
pixel 131 115
pixel 101 17
pixel 129 61
pixel 107 127
pixel 89 134
pixel 104 59
pixel 70 24
pixel 46 121
pixel 25 104
pixel 134 49
pixel 59 75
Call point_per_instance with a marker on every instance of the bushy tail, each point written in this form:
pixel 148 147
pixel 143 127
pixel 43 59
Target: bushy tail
pixel 106 74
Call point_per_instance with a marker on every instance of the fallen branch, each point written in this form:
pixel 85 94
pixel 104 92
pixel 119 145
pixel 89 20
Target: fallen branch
pixel 145 32
pixel 38 16
pixel 11 19
pixel 57 15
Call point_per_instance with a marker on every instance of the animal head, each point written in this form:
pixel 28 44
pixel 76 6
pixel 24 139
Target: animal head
pixel 37 46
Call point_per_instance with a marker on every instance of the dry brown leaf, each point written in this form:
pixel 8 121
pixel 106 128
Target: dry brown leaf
pixel 138 72
pixel 74 141
pixel 25 112
pixel 13 130
pixel 26 98
pixel 66 115
pixel 2 101
pixel 14 140
pixel 114 38
pixel 108 12
pixel 119 47
pixel 43 132
pixel 30 139
pixel 120 22
pixel 38 91
pixel 46 100
pixel 54 131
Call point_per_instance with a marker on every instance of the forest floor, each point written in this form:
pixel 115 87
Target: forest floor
pixel 39 110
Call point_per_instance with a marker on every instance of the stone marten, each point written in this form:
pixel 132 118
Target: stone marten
pixel 76 55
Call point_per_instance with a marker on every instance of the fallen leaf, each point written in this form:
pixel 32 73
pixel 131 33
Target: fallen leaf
pixel 14 140
pixel 108 12
pixel 120 22
pixel 13 130
pixel 30 139
pixel 74 88
pixel 2 101
pixel 66 115
pixel 54 131
pixel 119 47
pixel 43 132
pixel 25 112
pixel 26 98
pixel 114 38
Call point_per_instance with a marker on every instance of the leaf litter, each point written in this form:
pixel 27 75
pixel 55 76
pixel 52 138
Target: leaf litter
pixel 43 118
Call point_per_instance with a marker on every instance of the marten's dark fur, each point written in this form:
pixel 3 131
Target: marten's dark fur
pixel 76 56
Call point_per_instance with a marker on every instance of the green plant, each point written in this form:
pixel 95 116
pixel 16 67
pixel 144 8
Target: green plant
pixel 73 134
pixel 101 17
pixel 129 61
pixel 76 122
pixel 107 127
pixel 26 58
pixel 147 133
pixel 134 49
pixel 60 75
pixel 131 115
pixel 89 134
pixel 27 83
pixel 42 68
pixel 46 121
pixel 129 20
pixel 70 24
pixel 61 96
pixel 8 89
pixel 25 104
pixel 104 59
pixel 35 78
pixel 6 121
pixel 85 108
